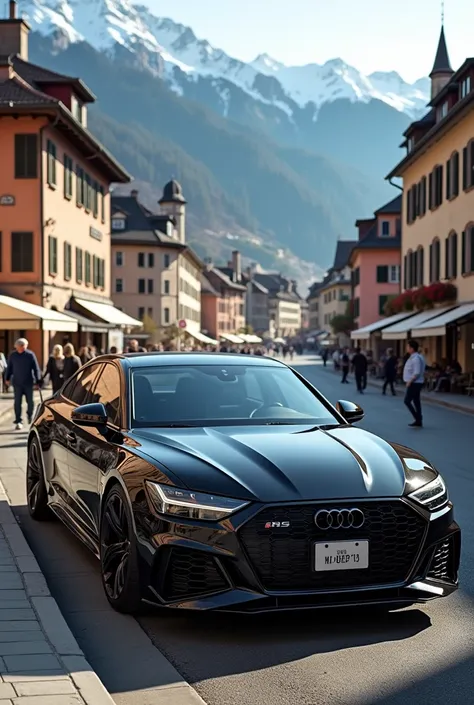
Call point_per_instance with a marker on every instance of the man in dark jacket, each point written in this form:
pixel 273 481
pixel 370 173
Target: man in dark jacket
pixel 345 365
pixel 390 372
pixel 24 372
pixel 359 365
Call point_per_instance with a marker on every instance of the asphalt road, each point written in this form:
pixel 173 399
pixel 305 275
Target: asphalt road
pixel 421 655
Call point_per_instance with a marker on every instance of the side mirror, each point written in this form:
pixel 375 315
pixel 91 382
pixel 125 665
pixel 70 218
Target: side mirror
pixel 90 415
pixel 350 411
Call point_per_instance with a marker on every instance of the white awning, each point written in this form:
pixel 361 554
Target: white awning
pixel 436 326
pixel 250 339
pixel 365 332
pixel 400 330
pixel 109 313
pixel 21 315
pixel 232 338
pixel 203 338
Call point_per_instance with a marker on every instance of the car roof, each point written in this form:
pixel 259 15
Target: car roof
pixel 155 359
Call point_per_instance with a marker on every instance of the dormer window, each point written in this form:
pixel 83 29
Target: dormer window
pixel 118 223
pixel 443 110
pixel 410 144
pixel 78 109
pixel 169 229
pixel 385 228
pixel 465 87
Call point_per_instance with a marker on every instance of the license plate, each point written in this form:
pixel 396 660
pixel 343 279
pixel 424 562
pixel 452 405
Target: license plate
pixel 342 555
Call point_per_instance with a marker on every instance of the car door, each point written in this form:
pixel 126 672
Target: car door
pixel 91 453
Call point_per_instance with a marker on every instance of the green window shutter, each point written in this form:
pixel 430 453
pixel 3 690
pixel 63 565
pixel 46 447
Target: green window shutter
pixel 463 252
pixel 382 274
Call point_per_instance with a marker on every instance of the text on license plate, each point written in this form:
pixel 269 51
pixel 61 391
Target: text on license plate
pixel 342 555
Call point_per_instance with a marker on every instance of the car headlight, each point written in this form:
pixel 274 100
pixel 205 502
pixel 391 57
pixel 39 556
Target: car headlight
pixel 433 496
pixel 191 505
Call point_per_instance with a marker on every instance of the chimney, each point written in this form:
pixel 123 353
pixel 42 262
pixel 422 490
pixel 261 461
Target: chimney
pixel 237 266
pixel 14 34
pixel 134 193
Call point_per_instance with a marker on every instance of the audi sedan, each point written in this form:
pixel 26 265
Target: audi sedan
pixel 208 481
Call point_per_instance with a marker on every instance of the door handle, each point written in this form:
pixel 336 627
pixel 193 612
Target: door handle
pixel 72 438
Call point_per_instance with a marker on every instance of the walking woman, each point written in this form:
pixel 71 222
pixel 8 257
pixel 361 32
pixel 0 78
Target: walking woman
pixel 71 362
pixel 55 368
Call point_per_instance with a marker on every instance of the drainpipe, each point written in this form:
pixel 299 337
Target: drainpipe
pixel 390 181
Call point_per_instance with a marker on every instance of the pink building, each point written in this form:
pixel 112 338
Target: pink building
pixel 375 263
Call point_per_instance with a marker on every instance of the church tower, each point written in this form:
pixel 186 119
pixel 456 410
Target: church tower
pixel 441 72
pixel 173 204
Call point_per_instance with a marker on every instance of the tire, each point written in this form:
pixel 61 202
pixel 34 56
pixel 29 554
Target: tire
pixel 118 554
pixel 36 492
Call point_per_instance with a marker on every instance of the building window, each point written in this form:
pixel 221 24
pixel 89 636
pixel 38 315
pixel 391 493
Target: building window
pixel 79 186
pixel 95 271
pixel 119 259
pixel 26 156
pixel 410 144
pixel 79 265
pixel 382 301
pixel 52 255
pixel 412 204
pixel 467 265
pixel 451 256
pixel 419 267
pixel 421 197
pixel 436 187
pixel 166 261
pixel 141 259
pixel 88 272
pixel 102 203
pixel 141 313
pixel 150 286
pixel 385 231
pixel 166 315
pixel 118 223
pixel 68 172
pixel 67 261
pixel 435 261
pixel 382 274
pixel 468 166
pixel 149 313
pixel 151 259
pixel 394 274
pixel 452 176
pixel 356 308
pixel 166 286
pixel 87 192
pixel 102 273
pixel 51 163
pixel 356 277
pixel 465 87
pixel 22 252
pixel 442 110
pixel 95 199
pixel 119 286
pixel 141 286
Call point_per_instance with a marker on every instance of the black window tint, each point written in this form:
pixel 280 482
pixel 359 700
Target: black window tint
pixel 107 392
pixel 26 156
pixel 79 393
pixel 22 252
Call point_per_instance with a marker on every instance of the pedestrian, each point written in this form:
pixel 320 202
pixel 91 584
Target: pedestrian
pixel 325 356
pixel 414 378
pixel 55 368
pixel 23 373
pixel 345 365
pixel 359 366
pixel 72 362
pixel 390 372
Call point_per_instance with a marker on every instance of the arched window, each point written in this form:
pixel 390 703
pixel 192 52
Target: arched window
pixel 451 256
pixel 435 261
pixel 467 249
pixel 452 176
pixel 468 165
pixel 420 266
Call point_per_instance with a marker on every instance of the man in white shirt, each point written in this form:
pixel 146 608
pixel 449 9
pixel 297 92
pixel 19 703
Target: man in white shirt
pixel 414 378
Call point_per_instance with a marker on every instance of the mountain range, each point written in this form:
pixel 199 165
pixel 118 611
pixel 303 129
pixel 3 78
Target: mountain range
pixel 281 159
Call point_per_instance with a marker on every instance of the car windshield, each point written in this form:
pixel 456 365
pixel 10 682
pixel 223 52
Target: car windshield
pixel 213 395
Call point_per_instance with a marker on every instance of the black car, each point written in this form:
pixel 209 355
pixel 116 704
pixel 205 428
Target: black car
pixel 209 481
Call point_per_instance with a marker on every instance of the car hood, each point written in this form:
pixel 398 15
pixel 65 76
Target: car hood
pixel 274 464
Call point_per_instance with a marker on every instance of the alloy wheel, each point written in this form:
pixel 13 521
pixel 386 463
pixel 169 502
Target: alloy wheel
pixel 115 546
pixel 34 478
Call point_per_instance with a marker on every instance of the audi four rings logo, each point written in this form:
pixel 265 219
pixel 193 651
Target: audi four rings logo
pixel 339 519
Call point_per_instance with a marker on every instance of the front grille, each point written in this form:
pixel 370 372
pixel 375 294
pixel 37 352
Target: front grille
pixel 283 558
pixel 442 564
pixel 191 574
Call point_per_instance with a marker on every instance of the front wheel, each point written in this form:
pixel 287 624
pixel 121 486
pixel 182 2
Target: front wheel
pixel 118 554
pixel 36 493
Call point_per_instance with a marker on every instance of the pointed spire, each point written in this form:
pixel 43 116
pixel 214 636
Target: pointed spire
pixel 442 63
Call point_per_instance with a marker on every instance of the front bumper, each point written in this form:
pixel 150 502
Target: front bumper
pixel 237 566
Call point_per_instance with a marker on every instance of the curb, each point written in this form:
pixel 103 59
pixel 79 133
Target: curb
pixel 45 607
pixel 427 399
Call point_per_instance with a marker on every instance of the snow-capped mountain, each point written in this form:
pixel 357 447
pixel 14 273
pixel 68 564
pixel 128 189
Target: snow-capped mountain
pixel 172 51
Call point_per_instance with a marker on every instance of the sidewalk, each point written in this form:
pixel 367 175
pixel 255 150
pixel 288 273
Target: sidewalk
pixel 457 402
pixel 6 408
pixel 40 661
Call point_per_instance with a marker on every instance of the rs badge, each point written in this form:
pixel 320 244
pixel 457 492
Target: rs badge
pixel 277 524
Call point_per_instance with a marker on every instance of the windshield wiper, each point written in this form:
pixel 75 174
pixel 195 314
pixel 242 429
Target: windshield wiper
pixel 172 425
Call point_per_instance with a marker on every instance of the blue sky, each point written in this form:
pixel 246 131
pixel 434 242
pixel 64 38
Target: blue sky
pixel 371 35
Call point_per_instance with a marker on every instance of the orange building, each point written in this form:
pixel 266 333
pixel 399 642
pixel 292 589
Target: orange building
pixel 54 207
pixel 223 300
pixel 375 264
